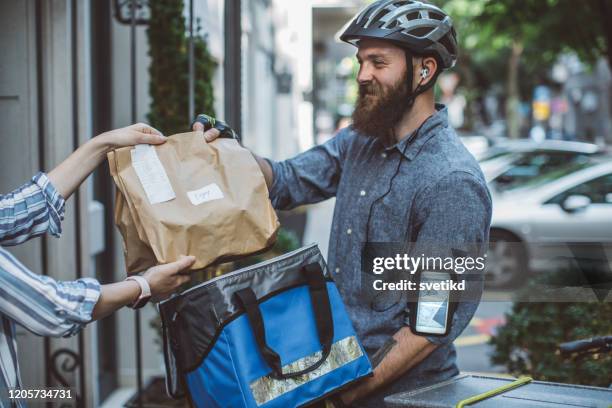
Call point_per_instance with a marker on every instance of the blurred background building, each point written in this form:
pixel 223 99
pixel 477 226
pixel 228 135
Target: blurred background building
pixel 282 80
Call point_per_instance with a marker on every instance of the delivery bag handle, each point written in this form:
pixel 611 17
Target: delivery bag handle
pixel 319 299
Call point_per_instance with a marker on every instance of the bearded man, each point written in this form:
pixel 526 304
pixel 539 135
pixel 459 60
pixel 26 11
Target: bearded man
pixel 399 174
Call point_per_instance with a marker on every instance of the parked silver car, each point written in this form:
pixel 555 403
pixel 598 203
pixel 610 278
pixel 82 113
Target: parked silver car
pixel 538 211
pixel 530 156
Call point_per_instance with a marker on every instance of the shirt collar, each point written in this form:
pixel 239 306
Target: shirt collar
pixel 440 118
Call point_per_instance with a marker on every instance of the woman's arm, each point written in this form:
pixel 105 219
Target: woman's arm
pixel 68 175
pixel 163 280
pixel 37 207
pixel 52 308
pixel 31 210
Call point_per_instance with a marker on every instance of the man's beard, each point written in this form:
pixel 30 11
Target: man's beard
pixel 379 109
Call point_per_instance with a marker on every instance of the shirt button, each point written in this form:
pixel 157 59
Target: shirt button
pixel 362 193
pixel 349 231
pixel 383 155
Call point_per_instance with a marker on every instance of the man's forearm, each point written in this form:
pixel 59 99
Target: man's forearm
pixel 400 354
pixel 266 169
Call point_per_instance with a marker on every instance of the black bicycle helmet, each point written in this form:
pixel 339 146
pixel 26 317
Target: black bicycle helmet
pixel 419 27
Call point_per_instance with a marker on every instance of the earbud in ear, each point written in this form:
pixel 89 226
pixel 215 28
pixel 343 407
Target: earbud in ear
pixel 424 73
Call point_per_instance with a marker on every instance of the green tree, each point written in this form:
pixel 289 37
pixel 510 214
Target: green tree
pixel 513 43
pixel 169 81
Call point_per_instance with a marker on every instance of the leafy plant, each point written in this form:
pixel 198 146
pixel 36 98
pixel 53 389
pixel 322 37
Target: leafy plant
pixel 169 68
pixel 528 343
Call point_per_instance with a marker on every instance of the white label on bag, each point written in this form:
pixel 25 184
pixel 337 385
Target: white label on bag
pixel 151 174
pixel 207 193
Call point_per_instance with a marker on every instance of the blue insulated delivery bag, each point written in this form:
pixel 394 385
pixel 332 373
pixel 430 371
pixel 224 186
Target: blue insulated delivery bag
pixel 274 334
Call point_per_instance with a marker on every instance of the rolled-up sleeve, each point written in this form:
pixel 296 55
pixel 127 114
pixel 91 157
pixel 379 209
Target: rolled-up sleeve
pixel 43 305
pixel 456 213
pixel 33 209
pixel 311 176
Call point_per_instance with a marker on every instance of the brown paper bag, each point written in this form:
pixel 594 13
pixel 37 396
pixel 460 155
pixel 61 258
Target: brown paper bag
pixel 130 218
pixel 136 251
pixel 138 255
pixel 220 210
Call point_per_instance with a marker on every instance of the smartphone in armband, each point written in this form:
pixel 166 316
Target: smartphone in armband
pixel 432 312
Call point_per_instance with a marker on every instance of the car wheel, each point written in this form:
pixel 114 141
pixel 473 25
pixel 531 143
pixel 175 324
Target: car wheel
pixel 506 261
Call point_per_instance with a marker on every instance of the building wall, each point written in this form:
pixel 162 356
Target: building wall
pixel 47 110
pixel 19 139
pixel 43 78
pixel 294 44
pixel 276 40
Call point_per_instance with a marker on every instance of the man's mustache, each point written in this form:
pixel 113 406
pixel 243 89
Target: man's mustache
pixel 369 89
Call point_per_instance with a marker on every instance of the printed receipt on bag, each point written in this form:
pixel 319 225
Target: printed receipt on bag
pixel 151 174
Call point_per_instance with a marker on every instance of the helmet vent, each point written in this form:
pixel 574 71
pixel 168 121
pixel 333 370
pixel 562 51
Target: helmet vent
pixel 436 16
pixel 380 15
pixel 413 16
pixel 421 31
pixel 365 15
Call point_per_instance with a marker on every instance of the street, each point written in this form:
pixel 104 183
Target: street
pixel 473 350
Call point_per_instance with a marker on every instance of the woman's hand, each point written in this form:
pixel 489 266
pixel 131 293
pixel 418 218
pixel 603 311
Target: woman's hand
pixel 162 279
pixel 165 279
pixel 138 133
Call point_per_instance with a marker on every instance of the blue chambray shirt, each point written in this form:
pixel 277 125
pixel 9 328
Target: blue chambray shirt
pixel 437 194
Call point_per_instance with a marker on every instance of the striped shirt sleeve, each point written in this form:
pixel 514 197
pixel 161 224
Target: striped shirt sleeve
pixel 43 305
pixel 31 210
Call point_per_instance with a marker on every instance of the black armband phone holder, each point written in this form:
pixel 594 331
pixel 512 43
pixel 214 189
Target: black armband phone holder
pixel 412 309
pixel 452 299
